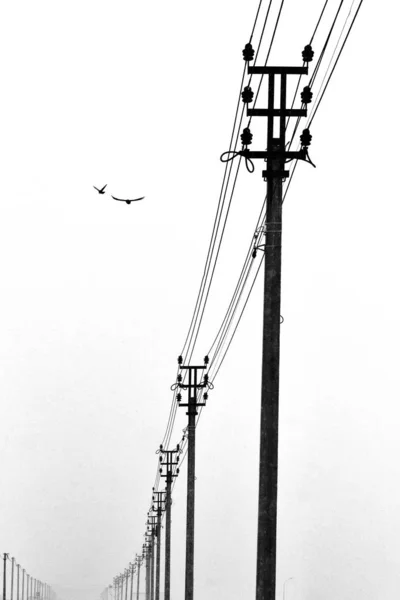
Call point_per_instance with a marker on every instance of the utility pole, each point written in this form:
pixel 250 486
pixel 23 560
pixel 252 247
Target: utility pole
pixel 193 385
pixel 158 498
pixel 12 578
pixel 5 556
pixel 139 561
pixel 169 465
pixel 276 157
pixel 127 573
pixel 148 560
pixel 153 527
pixel 18 567
pixel 132 570
pixel 23 584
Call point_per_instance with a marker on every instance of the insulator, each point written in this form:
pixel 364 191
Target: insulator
pixel 305 138
pixel 179 378
pixel 177 470
pixel 180 360
pixel 177 447
pixel 308 53
pixel 205 396
pixel 247 95
pixel 179 397
pixel 246 137
pixel 248 52
pixel 254 253
pixel 206 360
pixel 206 378
pixel 306 95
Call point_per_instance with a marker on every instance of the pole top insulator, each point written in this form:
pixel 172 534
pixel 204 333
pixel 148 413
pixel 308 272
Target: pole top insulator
pixel 248 52
pixel 308 53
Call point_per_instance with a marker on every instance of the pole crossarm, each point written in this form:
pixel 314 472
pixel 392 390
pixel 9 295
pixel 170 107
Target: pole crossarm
pixel 264 70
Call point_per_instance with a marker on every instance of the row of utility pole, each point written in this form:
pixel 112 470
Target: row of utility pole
pixel 22 585
pixel 194 380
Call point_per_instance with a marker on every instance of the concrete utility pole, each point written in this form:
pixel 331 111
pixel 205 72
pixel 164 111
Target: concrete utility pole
pixel 147 558
pixel 193 386
pixel 171 470
pixel 139 561
pixel 5 556
pixel 23 584
pixel 132 571
pixel 275 156
pixel 153 532
pixel 158 499
pixel 12 578
pixel 127 573
pixel 18 567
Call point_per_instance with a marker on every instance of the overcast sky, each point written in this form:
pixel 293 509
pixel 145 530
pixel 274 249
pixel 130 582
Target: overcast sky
pixel 96 298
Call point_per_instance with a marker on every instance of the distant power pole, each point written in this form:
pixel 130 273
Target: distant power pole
pixel 276 156
pixel 147 557
pixel 132 571
pixel 139 561
pixel 158 499
pixel 12 578
pixel 171 467
pixel 152 531
pixel 193 385
pixel 23 584
pixel 18 567
pixel 5 556
pixel 127 573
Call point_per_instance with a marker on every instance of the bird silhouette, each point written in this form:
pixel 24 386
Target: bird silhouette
pixel 127 201
pixel 102 189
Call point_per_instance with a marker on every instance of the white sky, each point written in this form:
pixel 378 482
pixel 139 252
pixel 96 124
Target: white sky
pixel 97 296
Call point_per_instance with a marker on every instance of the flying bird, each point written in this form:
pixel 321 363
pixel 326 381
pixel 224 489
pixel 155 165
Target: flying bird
pixel 127 201
pixel 102 189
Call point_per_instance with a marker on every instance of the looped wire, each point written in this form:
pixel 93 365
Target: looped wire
pixel 231 154
pixel 174 387
pixel 249 164
pixel 234 155
pixel 308 159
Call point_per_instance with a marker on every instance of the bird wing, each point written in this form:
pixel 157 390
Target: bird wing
pixel 103 188
pixel 127 199
pixel 96 188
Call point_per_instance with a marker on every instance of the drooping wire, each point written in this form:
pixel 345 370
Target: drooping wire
pixel 240 316
pixel 238 290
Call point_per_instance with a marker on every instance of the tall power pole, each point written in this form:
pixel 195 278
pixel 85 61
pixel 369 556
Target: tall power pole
pixel 18 568
pixel 158 499
pixel 275 156
pixel 170 464
pixel 139 561
pixel 193 386
pixel 23 584
pixel 152 532
pixel 5 556
pixel 12 578
pixel 148 558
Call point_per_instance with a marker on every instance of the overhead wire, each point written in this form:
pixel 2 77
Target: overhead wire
pixel 336 61
pixel 223 333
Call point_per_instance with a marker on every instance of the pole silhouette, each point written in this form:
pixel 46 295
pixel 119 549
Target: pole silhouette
pixel 276 156
pixel 171 467
pixel 193 386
